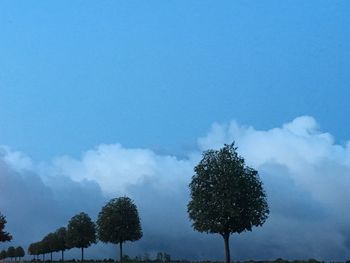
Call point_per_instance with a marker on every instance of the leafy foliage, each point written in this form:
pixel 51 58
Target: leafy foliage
pixel 11 252
pixel 61 238
pixel 81 231
pixel 118 222
pixel 3 254
pixel 19 252
pixel 4 236
pixel 226 195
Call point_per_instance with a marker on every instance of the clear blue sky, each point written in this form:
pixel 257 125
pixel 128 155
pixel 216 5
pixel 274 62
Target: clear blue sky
pixel 156 74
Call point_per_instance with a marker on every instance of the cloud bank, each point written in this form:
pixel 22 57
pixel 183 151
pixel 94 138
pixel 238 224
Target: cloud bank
pixel 305 173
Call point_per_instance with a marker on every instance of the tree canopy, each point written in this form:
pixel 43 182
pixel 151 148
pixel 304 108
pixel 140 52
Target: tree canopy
pixel 61 237
pixel 19 251
pixel 11 252
pixel 227 196
pixel 81 232
pixel 119 222
pixel 4 236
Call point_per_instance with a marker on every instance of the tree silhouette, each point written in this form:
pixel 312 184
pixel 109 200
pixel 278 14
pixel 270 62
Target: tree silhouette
pixel 49 243
pixel 11 252
pixel 4 236
pixel 81 232
pixel 61 241
pixel 226 195
pixel 19 251
pixel 119 222
pixel 3 254
pixel 35 249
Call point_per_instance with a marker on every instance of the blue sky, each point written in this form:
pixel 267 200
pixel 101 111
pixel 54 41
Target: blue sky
pixel 157 74
pixel 106 98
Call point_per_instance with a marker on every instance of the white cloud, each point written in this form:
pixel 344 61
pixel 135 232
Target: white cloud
pixel 305 173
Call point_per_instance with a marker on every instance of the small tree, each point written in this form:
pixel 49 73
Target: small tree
pixel 50 242
pixel 61 244
pixel 3 254
pixel 119 222
pixel 19 252
pixel 226 195
pixel 11 252
pixel 81 232
pixel 36 249
pixel 4 236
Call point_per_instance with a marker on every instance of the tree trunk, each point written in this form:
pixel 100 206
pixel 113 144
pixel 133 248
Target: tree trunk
pixel 121 251
pixel 82 254
pixel 62 257
pixel 227 247
pixel 51 256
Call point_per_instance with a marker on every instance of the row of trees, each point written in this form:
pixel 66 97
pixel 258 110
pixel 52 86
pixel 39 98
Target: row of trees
pixel 52 242
pixel 118 222
pixel 12 252
pixel 227 197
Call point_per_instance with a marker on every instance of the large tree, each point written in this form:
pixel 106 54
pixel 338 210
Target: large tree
pixel 81 232
pixel 119 222
pixel 4 236
pixel 227 196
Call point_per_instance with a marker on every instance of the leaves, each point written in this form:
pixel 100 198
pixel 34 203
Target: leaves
pixel 226 195
pixel 81 231
pixel 119 221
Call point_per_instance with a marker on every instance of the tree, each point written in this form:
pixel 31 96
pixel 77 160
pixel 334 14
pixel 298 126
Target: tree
pixel 19 252
pixel 4 236
pixel 227 196
pixel 3 254
pixel 50 243
pixel 11 252
pixel 36 249
pixel 81 232
pixel 119 222
pixel 61 237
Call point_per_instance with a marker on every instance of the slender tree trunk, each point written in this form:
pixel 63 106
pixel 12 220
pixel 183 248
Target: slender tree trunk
pixel 51 256
pixel 227 247
pixel 82 254
pixel 121 251
pixel 62 257
pixel 44 257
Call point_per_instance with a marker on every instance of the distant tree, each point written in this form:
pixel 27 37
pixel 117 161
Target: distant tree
pixel 146 257
pixel 61 240
pixel 81 232
pixel 166 257
pixel 32 250
pixel 11 252
pixel 159 256
pixel 119 222
pixel 163 257
pixel 3 254
pixel 43 248
pixel 4 236
pixel 50 244
pixel 226 195
pixel 126 258
pixel 19 251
